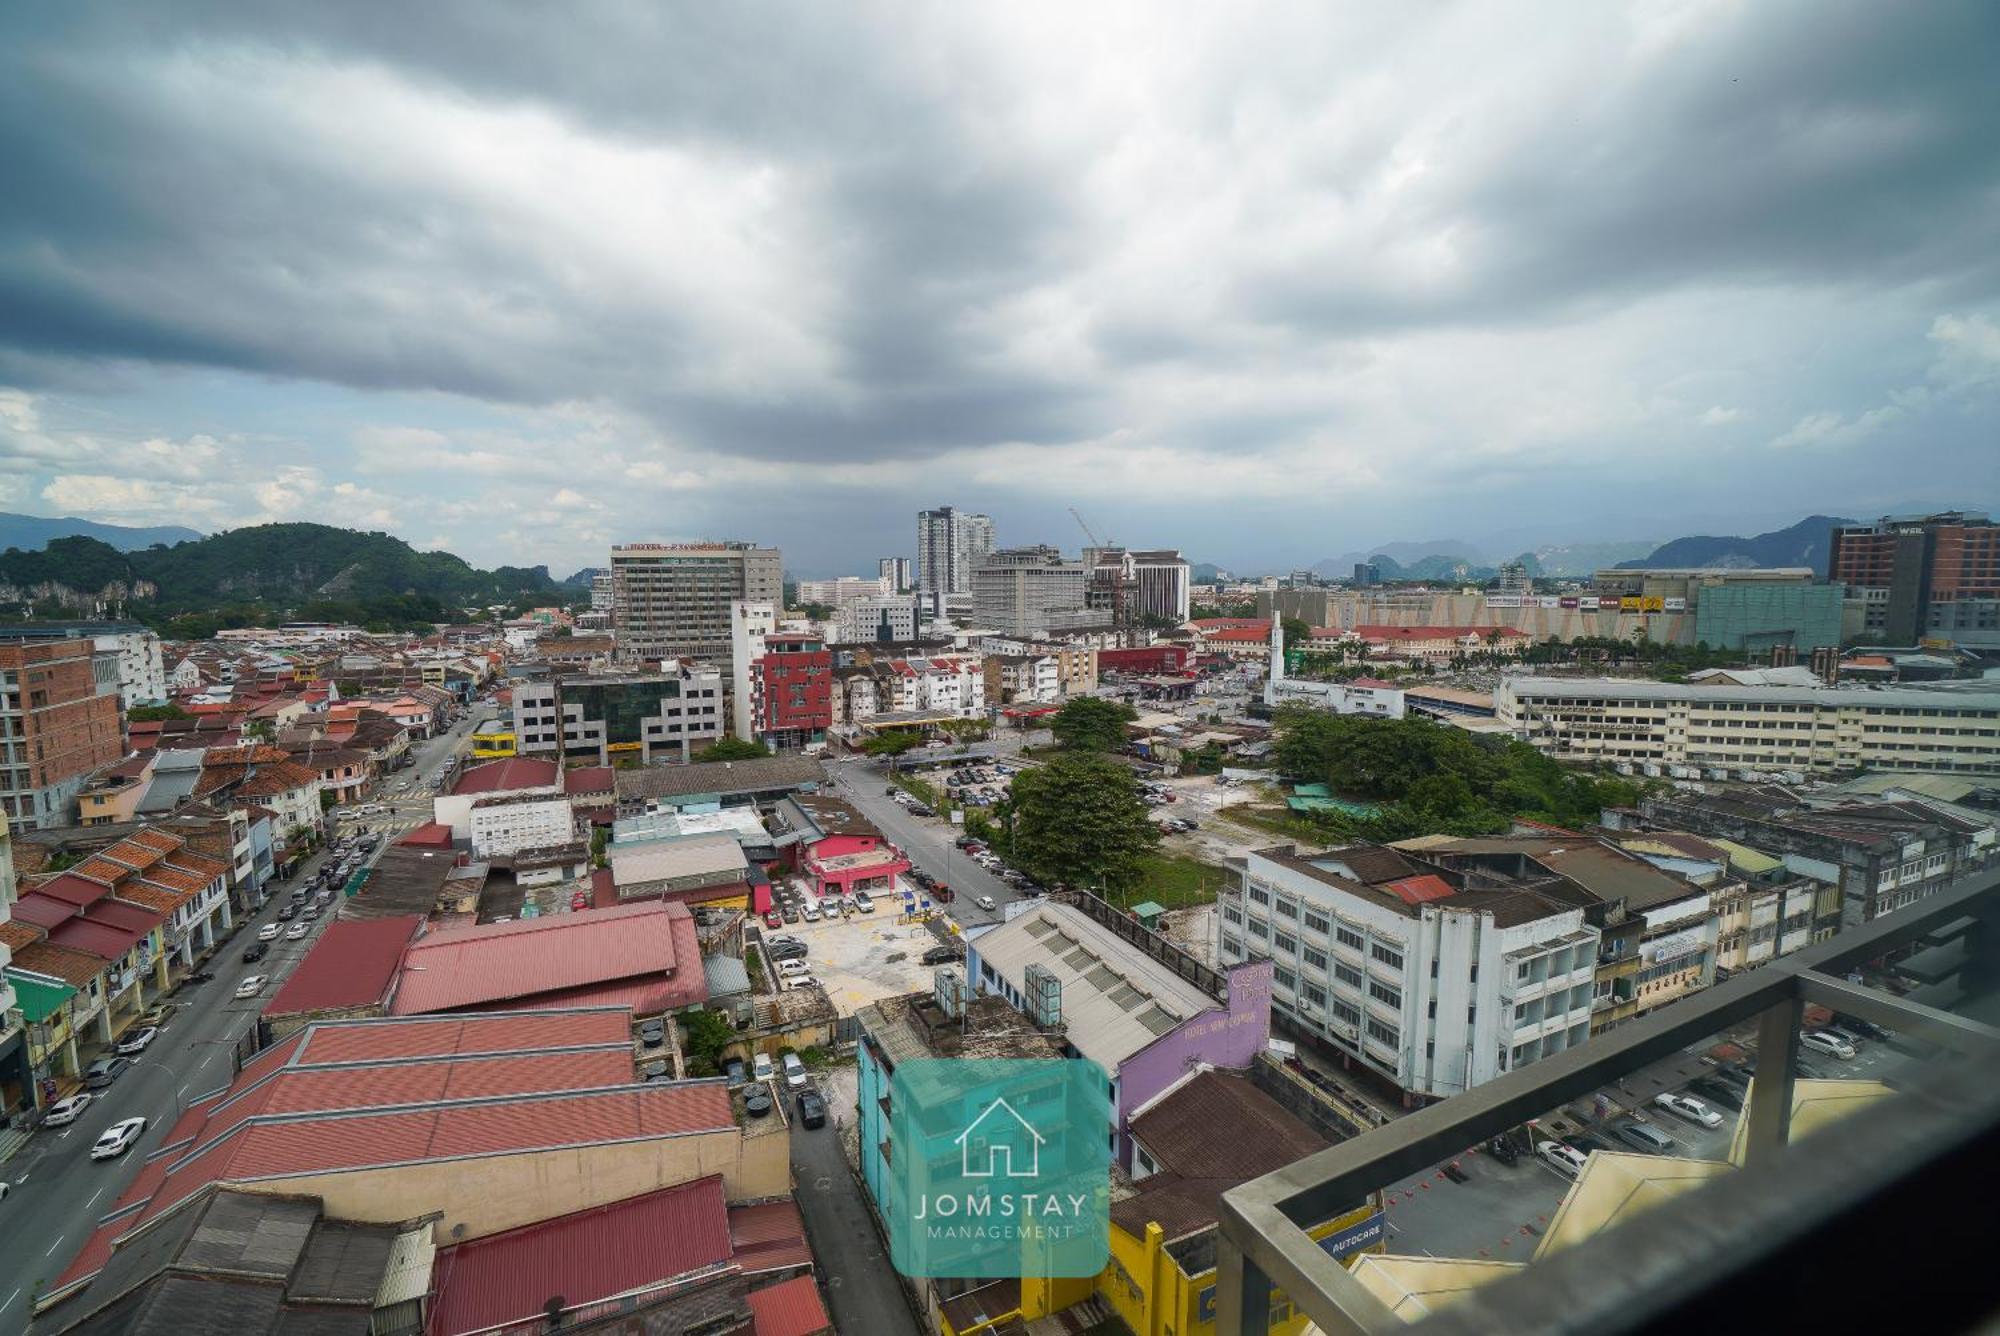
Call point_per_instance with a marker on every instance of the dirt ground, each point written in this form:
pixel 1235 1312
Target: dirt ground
pixel 862 957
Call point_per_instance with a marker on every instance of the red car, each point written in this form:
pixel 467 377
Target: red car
pixel 772 918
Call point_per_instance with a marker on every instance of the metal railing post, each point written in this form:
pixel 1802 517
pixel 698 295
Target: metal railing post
pixel 1242 1292
pixel 1777 1067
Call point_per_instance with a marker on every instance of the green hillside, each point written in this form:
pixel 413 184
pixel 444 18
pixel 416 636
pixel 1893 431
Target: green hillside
pixel 237 578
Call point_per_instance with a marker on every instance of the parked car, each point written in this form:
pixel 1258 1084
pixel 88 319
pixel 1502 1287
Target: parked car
pixel 791 914
pixel 287 913
pixel 66 1111
pixel 810 913
pixel 117 1139
pixel 252 985
pixel 795 1071
pixel 135 1041
pixel 762 1068
pixel 104 1071
pixel 158 1013
pixel 255 952
pixel 1586 1143
pixel 1866 1029
pixel 1645 1137
pixel 1833 1046
pixel 1718 1092
pixel 773 919
pixel 735 1073
pixel 269 932
pixel 1688 1107
pixel 942 893
pixel 1565 1160
pixel 864 902
pixel 297 931
pixel 812 1109
pixel 797 981
pixel 986 903
pixel 788 968
pixel 779 951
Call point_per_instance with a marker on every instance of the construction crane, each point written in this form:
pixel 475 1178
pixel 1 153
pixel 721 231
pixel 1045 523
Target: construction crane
pixel 1074 514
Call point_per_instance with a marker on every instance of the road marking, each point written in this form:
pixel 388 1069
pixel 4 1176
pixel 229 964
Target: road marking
pixel 93 1197
pixel 10 1301
pixel 52 1247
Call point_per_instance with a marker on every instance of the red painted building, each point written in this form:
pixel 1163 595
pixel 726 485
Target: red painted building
pixel 793 685
pixel 1145 659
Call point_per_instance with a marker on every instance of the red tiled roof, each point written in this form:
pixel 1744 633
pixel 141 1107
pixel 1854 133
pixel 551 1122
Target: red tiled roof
pixel 15 935
pixel 1373 683
pixel 494 962
pixel 770 1236
pixel 516 772
pixel 1416 890
pixel 75 890
pixel 100 869
pixel 352 965
pixel 789 1308
pixel 179 879
pixel 157 840
pixel 44 911
pixel 428 836
pixel 620 1248
pixel 67 963
pixel 1220 623
pixel 1239 635
pixel 590 779
pixel 153 897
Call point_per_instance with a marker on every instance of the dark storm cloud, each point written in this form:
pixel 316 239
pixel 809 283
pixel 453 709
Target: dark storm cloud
pixel 1274 256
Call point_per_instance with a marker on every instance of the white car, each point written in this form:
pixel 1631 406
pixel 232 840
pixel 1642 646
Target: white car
pixel 66 1111
pixel 296 931
pixel 1688 1107
pixel 252 985
pixel 864 902
pixel 117 1139
pixel 269 932
pixel 795 981
pixel 1819 1041
pixel 1565 1159
pixel 762 1068
pixel 791 967
pixel 985 902
pixel 795 1071
pixel 810 913
pixel 135 1041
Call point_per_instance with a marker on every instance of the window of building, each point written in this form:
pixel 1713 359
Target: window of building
pixel 1284 941
pixel 1315 958
pixel 1382 992
pixel 1387 955
pixel 1348 937
pixel 1347 974
pixel 1316 922
pixel 1386 1034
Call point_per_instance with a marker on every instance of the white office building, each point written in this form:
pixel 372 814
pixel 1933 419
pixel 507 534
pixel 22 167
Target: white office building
pixel 672 600
pixel 1725 731
pixel 837 593
pixel 898 617
pixel 749 624
pixel 503 827
pixel 950 542
pixel 1030 591
pixel 1437 988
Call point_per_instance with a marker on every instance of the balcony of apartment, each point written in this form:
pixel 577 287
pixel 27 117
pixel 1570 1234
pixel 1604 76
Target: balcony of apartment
pixel 1743 1219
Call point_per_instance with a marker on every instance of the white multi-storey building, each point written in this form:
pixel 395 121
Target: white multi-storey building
pixel 1731 729
pixel 843 590
pixel 1029 591
pixel 950 542
pixel 749 624
pixel 1436 987
pixel 502 827
pixel 664 716
pixel 865 620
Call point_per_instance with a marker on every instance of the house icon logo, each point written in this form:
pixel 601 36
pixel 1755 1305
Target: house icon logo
pixel 1006 1136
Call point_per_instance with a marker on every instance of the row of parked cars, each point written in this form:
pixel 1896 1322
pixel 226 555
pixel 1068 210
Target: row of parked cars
pixel 1726 1088
pixel 757 1086
pixel 795 903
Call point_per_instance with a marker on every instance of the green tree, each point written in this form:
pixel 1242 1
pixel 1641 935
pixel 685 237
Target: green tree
pixel 1090 723
pixel 1079 821
pixel 1297 632
pixel 144 714
pixel 892 743
pixel 704 1034
pixel 732 749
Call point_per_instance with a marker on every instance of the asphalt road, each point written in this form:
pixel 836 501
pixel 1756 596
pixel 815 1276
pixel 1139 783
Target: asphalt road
pixel 56 1194
pixel 928 842
pixel 862 1288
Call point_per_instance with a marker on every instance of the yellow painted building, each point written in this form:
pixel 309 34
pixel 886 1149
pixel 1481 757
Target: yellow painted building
pixel 493 742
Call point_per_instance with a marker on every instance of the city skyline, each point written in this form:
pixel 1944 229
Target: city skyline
pixel 1266 290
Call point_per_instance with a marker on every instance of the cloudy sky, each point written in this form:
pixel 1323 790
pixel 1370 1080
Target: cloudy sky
pixel 1267 283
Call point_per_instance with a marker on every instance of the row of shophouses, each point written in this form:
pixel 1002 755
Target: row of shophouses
pixel 98 923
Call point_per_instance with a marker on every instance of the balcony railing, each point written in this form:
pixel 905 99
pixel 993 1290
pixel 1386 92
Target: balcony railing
pixel 1263 1244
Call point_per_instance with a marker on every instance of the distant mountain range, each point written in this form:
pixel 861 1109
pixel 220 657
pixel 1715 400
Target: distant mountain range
pixel 1806 543
pixel 32 533
pixel 245 575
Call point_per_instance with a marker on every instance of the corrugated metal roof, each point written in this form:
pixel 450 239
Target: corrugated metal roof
pixel 770 1236
pixel 518 772
pixel 494 962
pixel 1104 1022
pixel 351 965
pixel 584 1257
pixel 38 998
pixel 443 1036
pixel 789 1308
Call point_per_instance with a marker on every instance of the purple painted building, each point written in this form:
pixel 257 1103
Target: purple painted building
pixel 1128 1000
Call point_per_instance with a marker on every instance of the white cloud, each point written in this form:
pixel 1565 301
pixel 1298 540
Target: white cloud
pixel 1718 416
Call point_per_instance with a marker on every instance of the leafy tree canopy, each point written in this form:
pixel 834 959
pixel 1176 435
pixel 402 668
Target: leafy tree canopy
pixel 732 749
pixel 892 743
pixel 1079 821
pixel 1089 723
